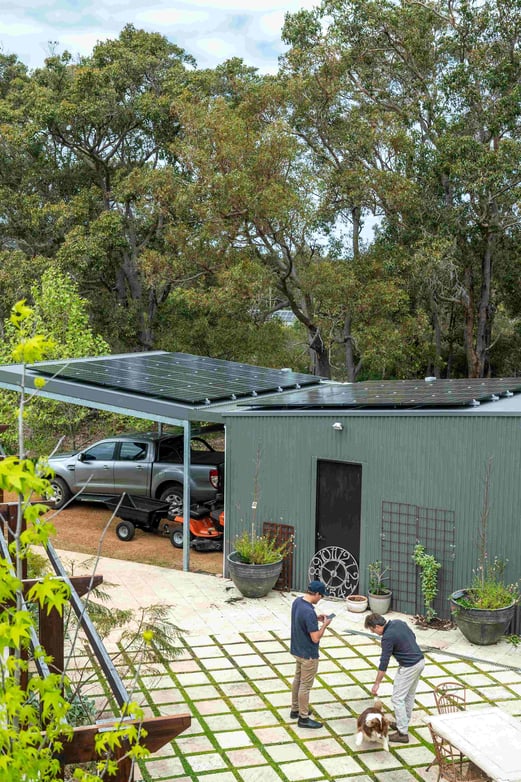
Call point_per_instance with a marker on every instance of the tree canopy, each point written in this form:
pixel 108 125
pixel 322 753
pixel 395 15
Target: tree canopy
pixel 188 206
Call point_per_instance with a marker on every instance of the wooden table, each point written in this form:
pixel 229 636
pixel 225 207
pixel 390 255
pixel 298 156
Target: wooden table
pixel 490 737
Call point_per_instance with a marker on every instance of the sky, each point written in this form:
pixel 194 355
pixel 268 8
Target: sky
pixel 210 30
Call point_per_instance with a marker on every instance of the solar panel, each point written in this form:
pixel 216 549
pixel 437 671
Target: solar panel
pixel 179 377
pixel 407 394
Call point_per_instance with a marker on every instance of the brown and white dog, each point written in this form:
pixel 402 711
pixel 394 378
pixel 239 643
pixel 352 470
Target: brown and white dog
pixel 373 725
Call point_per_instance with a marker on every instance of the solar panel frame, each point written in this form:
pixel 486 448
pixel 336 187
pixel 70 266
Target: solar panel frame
pixel 178 377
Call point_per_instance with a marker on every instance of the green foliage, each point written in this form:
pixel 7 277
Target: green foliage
pixel 37 719
pixel 429 567
pixel 488 589
pixel 58 304
pixel 257 549
pixel 377 578
pixel 189 204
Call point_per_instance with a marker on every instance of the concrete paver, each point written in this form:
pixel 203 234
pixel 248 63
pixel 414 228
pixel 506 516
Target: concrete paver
pixel 234 678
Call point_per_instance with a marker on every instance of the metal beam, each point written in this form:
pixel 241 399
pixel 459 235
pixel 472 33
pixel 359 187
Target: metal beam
pixel 116 685
pixel 186 494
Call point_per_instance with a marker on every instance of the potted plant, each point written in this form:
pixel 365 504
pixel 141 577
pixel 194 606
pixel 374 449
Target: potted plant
pixel 255 563
pixel 379 594
pixel 356 603
pixel 484 610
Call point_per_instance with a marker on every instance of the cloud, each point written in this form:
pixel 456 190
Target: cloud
pixel 159 18
pixel 210 30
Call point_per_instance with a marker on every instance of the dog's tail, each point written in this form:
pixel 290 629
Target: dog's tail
pixel 378 704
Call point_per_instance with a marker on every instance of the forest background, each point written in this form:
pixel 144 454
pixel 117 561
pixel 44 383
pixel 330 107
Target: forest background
pixel 147 204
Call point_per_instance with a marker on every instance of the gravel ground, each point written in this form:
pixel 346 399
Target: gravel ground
pixel 83 527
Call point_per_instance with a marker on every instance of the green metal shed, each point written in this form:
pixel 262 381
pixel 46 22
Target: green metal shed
pixel 361 481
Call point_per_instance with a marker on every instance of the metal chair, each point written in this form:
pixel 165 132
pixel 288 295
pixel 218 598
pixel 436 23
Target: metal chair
pixel 452 765
pixel 450 696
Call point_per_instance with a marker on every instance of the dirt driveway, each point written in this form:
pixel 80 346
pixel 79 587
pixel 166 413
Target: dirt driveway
pixel 81 527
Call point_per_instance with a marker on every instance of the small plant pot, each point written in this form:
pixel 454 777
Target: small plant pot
pixel 380 604
pixel 356 603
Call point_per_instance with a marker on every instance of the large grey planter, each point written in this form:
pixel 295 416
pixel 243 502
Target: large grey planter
pixel 481 626
pixel 253 580
pixel 380 604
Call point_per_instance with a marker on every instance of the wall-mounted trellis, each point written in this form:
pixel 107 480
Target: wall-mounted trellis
pixel 282 533
pixel 403 526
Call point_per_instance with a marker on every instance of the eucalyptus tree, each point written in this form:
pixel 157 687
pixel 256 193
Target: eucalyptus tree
pixel 108 115
pixel 412 109
pixel 250 202
pixel 28 190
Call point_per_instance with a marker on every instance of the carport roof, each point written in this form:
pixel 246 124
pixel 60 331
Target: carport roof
pixel 160 386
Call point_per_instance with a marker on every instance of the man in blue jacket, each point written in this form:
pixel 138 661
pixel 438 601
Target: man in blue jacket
pixel 399 641
pixel 305 639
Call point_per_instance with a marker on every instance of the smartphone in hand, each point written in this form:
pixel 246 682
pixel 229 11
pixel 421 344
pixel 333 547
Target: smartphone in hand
pixel 330 616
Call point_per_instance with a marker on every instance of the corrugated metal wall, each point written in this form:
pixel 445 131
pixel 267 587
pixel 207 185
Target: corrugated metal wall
pixel 431 461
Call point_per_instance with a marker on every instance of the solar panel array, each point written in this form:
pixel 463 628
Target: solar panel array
pixel 388 394
pixel 179 377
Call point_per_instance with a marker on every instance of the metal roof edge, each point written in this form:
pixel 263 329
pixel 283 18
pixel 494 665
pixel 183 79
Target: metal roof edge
pixel 367 413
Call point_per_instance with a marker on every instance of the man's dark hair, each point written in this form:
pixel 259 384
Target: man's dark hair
pixel 373 620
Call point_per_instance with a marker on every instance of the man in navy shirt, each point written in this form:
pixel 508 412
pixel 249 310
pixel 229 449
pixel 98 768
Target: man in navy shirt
pixel 398 640
pixel 305 639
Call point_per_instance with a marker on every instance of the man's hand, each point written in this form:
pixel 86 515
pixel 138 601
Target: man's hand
pixel 321 617
pixel 325 621
pixel 374 689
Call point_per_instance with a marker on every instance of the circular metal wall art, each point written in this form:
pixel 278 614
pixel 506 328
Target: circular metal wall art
pixel 337 568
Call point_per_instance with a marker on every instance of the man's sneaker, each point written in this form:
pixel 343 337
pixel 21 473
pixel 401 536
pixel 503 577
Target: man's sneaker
pixel 393 725
pixel 294 713
pixel 402 738
pixel 307 722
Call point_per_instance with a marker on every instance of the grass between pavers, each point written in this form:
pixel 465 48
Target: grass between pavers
pixel 290 760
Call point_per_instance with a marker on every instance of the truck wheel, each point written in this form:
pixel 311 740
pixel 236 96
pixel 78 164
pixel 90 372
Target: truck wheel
pixel 60 492
pixel 176 538
pixel 125 530
pixel 173 494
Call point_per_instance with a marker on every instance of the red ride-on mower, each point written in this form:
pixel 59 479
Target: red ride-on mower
pixel 205 533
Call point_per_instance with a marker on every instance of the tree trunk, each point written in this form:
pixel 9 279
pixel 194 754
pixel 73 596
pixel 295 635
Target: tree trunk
pixel 437 337
pixel 319 355
pixel 477 345
pixel 484 325
pixel 352 368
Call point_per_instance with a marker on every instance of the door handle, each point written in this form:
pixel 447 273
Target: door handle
pixel 320 537
pixel 139 466
pixel 106 467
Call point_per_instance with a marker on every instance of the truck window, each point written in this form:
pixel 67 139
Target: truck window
pixel 132 452
pixel 171 451
pixel 101 452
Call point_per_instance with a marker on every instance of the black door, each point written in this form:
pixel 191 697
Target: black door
pixel 337 547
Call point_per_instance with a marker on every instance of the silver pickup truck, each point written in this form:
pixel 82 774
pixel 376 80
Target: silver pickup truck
pixel 148 463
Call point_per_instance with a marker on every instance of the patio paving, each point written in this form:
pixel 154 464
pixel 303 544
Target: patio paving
pixel 234 678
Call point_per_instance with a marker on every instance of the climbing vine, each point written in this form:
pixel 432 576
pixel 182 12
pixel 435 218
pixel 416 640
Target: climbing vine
pixel 429 567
